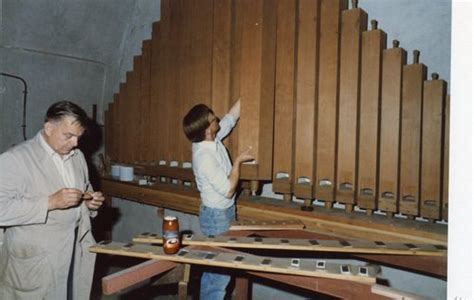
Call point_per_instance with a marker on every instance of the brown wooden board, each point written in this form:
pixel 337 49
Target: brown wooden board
pixel 410 143
pixel 306 267
pixel 266 225
pixel 306 76
pixel 445 201
pixel 116 129
pixel 156 87
pixel 373 43
pixel 393 60
pixel 434 95
pixel 221 57
pixel 312 245
pixel 135 111
pixel 283 151
pixel 121 109
pixel 257 73
pixel 108 121
pixel 328 89
pixel 354 21
pixel 145 105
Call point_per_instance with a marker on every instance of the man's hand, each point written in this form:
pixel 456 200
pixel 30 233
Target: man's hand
pixel 245 156
pixel 235 109
pixel 64 198
pixel 94 200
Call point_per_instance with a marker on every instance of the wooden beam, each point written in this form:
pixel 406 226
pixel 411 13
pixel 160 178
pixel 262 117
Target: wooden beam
pixel 123 279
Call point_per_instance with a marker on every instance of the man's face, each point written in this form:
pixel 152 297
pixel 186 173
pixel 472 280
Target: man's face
pixel 63 135
pixel 213 124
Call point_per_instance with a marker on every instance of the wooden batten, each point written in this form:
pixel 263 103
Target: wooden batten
pixel 354 22
pixel 306 76
pixel 445 199
pixel 410 143
pixel 135 113
pixel 145 131
pixel 257 73
pixel 373 43
pixel 328 89
pixel 221 58
pixel 434 95
pixel 115 125
pixel 283 150
pixel 393 61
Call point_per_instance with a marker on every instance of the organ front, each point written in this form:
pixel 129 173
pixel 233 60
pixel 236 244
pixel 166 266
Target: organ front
pixel 348 127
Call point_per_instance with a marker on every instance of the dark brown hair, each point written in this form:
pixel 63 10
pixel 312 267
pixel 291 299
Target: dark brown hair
pixel 196 122
pixel 61 109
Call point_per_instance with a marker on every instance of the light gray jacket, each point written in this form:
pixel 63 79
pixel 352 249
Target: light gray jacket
pixel 38 245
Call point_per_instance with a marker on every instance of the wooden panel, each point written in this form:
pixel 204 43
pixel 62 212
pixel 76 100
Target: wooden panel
pixel 328 89
pixel 135 111
pixel 434 94
pixel 445 201
pixel 284 97
pixel 116 129
pixel 145 106
pixel 109 133
pixel 121 109
pixel 221 57
pixel 393 60
pixel 156 87
pixel 373 43
pixel 306 76
pixel 354 21
pixel 410 143
pixel 257 85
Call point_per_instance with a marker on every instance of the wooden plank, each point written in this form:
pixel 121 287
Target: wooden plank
pixel 306 267
pixel 445 201
pixel 266 225
pixel 339 224
pixel 410 143
pixel 116 129
pixel 257 75
pixel 306 76
pixel 373 43
pixel 395 293
pixel 283 163
pixel 312 245
pixel 121 109
pixel 354 21
pixel 393 60
pixel 432 144
pixel 118 281
pixel 145 119
pixel 328 90
pixel 135 116
pixel 221 57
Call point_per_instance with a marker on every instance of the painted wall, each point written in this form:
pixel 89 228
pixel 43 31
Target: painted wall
pixel 82 49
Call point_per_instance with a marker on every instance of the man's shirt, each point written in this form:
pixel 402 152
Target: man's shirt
pixel 212 166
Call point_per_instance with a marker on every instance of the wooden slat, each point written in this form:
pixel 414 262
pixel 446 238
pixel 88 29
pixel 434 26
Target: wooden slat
pixel 250 262
pixel 306 76
pixel 136 153
pixel 145 105
pixel 257 75
pixel 434 95
pixel 266 225
pixel 121 109
pixel 328 90
pixel 373 43
pixel 123 279
pixel 393 60
pixel 221 57
pixel 410 143
pixel 283 150
pixel 445 201
pixel 116 129
pixel 312 245
pixel 354 21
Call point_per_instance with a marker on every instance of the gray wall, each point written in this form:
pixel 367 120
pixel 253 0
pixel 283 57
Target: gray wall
pixel 81 50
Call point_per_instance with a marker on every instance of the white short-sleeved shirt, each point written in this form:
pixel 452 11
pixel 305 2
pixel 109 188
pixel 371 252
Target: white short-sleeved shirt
pixel 212 166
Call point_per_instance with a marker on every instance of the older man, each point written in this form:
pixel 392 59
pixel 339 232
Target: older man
pixel 46 202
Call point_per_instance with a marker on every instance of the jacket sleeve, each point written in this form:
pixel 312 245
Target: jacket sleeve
pixel 17 206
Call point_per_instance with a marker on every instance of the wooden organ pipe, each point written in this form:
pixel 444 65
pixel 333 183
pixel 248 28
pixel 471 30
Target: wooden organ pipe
pixel 331 114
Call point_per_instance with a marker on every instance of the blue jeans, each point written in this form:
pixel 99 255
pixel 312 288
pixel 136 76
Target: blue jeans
pixel 214 221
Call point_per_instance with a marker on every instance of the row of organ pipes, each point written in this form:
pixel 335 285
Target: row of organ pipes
pixel 331 113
